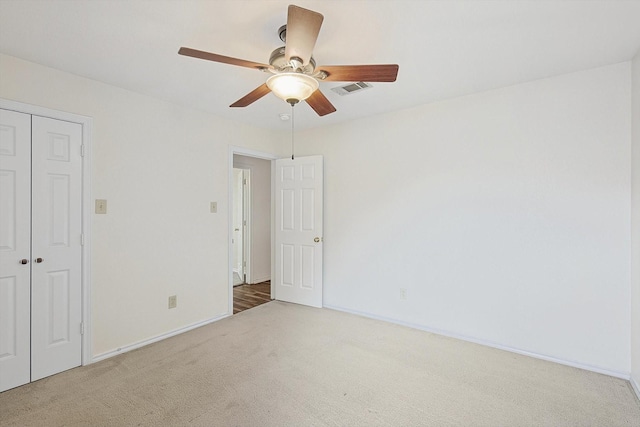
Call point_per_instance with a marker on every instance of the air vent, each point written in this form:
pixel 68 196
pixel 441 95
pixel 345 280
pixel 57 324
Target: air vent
pixel 351 88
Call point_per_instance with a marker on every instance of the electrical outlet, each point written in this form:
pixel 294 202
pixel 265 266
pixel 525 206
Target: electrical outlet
pixel 101 206
pixel 213 207
pixel 403 294
pixel 173 301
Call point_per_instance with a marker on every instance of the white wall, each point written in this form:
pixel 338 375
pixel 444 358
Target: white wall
pixel 504 214
pixel 260 215
pixel 635 226
pixel 158 165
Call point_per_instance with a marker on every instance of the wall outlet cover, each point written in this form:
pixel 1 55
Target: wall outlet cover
pixel 173 301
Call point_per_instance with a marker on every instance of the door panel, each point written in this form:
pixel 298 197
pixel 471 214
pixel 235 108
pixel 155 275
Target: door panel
pixel 58 311
pixel 287 217
pixel 307 260
pixel 298 239
pixel 15 245
pixel 56 232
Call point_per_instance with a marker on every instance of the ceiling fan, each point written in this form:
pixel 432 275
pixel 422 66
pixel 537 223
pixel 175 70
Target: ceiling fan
pixel 295 75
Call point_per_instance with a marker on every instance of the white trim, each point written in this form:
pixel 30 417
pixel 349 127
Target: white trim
pixel 157 338
pixel 635 386
pixel 249 153
pixel 36 110
pixel 242 151
pixel 247 217
pixel 273 227
pixel 87 127
pixel 617 374
pixel 87 227
pixel 260 279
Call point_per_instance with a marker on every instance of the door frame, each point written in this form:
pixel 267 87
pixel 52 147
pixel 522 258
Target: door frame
pixel 242 151
pixel 87 126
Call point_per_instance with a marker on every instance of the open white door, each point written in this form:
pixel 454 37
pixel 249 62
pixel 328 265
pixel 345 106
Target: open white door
pixel 238 225
pixel 298 230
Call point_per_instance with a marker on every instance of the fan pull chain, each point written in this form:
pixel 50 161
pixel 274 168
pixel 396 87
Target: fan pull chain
pixel 292 157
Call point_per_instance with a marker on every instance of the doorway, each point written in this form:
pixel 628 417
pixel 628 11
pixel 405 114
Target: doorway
pixel 250 211
pixel 298 186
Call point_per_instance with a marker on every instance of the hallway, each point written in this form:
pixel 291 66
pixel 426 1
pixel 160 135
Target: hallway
pixel 249 296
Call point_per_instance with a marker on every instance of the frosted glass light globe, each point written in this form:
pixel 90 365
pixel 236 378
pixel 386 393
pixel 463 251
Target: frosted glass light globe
pixel 292 87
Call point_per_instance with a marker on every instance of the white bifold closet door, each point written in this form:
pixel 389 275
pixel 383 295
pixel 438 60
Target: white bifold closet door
pixel 40 247
pixel 15 248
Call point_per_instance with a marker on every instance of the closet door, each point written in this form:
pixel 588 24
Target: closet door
pixel 15 248
pixel 56 294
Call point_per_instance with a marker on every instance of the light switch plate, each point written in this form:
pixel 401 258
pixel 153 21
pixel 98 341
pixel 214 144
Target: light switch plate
pixel 214 207
pixel 101 206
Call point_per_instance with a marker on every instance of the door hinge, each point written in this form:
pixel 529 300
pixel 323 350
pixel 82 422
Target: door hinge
pixel 244 263
pixel 82 328
pixel 81 239
pixel 82 150
pixel 244 181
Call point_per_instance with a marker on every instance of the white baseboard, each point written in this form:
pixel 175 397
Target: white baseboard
pixel 623 375
pixel 635 386
pixel 157 338
pixel 260 279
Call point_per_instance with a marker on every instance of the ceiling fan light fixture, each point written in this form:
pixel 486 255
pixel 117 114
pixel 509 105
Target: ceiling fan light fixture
pixel 292 87
pixel 296 78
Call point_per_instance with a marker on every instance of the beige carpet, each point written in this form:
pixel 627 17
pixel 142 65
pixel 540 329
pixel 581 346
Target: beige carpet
pixel 287 365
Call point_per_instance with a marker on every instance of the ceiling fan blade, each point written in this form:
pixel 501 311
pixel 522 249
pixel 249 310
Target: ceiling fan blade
pixel 320 103
pixel 252 96
pixel 223 59
pixel 303 26
pixel 360 73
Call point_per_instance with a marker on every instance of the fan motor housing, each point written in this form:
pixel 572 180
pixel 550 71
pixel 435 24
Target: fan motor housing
pixel 280 63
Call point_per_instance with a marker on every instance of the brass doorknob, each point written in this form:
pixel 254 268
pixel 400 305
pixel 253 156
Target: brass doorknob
pixel 39 260
pixel 317 239
pixel 24 261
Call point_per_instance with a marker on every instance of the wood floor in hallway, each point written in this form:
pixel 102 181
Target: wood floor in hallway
pixel 249 296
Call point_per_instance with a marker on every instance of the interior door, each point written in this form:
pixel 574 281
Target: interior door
pixel 15 248
pixel 246 211
pixel 56 293
pixel 298 230
pixel 238 229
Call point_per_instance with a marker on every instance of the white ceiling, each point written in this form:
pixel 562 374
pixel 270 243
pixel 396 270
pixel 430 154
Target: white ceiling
pixel 444 48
